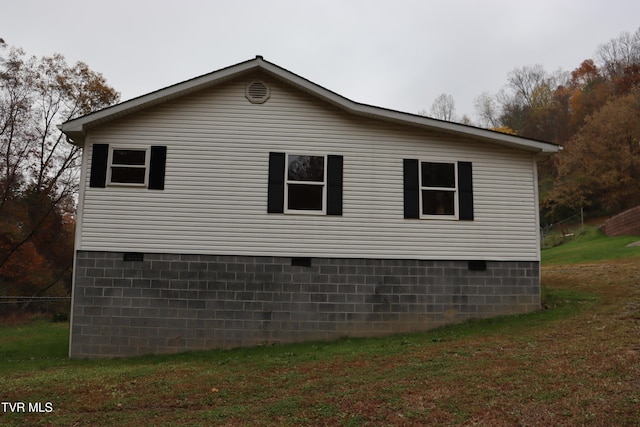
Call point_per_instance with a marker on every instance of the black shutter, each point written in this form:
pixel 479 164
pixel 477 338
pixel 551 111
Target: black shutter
pixel 99 160
pixel 334 185
pixel 465 191
pixel 157 167
pixel 275 197
pixel 411 189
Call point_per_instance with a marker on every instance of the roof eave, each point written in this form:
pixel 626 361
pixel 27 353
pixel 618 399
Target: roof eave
pixel 471 132
pixel 76 129
pixel 407 118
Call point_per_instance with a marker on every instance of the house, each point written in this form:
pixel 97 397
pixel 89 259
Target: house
pixel 251 206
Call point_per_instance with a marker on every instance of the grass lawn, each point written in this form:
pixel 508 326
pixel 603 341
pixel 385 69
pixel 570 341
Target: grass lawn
pixel 575 363
pixel 591 246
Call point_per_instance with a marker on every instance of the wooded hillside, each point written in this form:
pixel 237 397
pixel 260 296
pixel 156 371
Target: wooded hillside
pixel 594 112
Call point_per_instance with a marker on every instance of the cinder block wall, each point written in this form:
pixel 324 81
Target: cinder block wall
pixel 170 303
pixel 626 223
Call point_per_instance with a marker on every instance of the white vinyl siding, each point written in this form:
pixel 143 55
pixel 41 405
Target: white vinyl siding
pixel 215 196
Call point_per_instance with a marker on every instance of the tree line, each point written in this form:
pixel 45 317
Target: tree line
pixel 39 170
pixel 592 111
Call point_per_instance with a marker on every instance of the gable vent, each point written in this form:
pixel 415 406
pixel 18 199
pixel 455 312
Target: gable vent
pixel 257 92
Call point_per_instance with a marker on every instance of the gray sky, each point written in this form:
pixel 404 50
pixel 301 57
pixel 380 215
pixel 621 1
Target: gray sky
pixel 397 54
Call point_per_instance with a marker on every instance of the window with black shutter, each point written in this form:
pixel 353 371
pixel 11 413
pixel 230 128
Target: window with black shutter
pixel 126 166
pixel 438 190
pixel 305 184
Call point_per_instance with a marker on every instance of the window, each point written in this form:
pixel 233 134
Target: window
pixel 438 189
pixel 128 167
pixel 305 183
pixel 139 167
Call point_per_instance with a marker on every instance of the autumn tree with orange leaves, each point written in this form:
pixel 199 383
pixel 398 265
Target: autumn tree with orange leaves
pixel 39 170
pixel 600 166
pixel 594 112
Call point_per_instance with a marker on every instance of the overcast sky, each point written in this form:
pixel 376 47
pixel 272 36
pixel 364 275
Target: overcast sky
pixel 396 54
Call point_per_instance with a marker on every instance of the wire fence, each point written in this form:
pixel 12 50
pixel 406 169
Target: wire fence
pixel 56 306
pixel 557 233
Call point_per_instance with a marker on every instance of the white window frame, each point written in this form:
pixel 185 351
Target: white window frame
pixel 454 190
pixel 287 182
pixel 110 165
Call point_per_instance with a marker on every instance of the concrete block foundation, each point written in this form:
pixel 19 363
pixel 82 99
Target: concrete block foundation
pixel 128 304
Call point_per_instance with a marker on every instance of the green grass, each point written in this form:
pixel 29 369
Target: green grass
pixel 297 384
pixel 589 247
pixel 37 344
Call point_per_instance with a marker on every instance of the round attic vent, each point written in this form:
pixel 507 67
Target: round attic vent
pixel 257 92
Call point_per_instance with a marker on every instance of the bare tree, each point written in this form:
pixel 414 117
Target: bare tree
pixel 617 54
pixel 443 108
pixel 524 81
pixel 465 120
pixel 38 169
pixel 487 110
